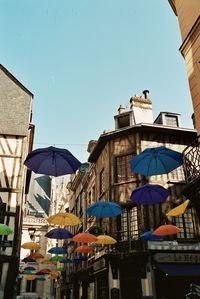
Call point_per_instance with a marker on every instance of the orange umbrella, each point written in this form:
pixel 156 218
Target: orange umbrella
pixel 84 249
pixel 36 255
pixel 47 262
pixel 167 229
pixel 84 238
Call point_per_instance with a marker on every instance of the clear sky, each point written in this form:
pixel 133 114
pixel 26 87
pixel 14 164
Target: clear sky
pixel 83 58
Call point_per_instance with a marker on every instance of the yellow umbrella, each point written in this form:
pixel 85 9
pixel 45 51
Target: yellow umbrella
pixel 63 219
pixel 30 277
pixel 47 262
pixel 104 239
pixel 31 246
pixel 179 210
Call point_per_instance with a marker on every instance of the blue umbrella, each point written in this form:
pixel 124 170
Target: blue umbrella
pixel 28 260
pixel 156 160
pixel 80 258
pixel 104 209
pixel 149 194
pixel 59 233
pixel 57 250
pixel 149 236
pixel 52 161
pixel 29 268
pixel 66 261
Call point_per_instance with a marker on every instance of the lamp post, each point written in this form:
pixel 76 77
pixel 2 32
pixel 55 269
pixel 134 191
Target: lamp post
pixel 31 231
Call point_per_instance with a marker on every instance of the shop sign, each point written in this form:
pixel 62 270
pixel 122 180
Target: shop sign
pixel 177 257
pixel 99 264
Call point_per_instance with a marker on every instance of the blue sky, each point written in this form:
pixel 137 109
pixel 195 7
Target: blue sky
pixel 83 58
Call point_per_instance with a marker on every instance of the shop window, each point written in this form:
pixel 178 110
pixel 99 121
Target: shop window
pixel 186 224
pixel 129 224
pixel 123 169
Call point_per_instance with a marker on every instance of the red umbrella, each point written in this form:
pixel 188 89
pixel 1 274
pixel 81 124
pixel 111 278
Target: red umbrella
pixel 36 255
pixel 84 238
pixel 167 229
pixel 84 249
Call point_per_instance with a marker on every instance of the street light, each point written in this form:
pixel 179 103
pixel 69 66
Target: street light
pixel 31 231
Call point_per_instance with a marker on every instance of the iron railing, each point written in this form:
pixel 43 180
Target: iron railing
pixel 191 161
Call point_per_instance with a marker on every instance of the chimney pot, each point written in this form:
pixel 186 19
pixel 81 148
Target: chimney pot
pixel 146 93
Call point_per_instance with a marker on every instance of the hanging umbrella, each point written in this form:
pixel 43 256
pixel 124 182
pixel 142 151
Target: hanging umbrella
pixel 57 250
pixel 103 209
pixel 45 271
pixel 80 258
pixel 30 277
pixel 36 255
pixel 59 233
pixel 66 261
pixel 39 273
pixel 84 249
pixel 84 238
pixel 28 260
pixel 5 229
pixel 104 239
pixel 167 229
pixel 149 236
pixel 52 161
pixel 179 210
pixel 46 262
pixel 30 245
pixel 156 160
pixel 149 194
pixel 27 272
pixel 57 258
pixel 64 219
pixel 29 268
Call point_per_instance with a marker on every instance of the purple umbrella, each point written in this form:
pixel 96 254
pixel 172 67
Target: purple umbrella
pixel 149 236
pixel 39 273
pixel 149 194
pixel 28 260
pixel 52 161
pixel 66 261
pixel 59 233
pixel 80 258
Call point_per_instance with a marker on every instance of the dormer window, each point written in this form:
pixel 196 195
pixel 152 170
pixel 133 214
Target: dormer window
pixel 171 120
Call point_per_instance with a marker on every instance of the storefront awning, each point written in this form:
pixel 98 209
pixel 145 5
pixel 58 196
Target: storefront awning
pixel 180 269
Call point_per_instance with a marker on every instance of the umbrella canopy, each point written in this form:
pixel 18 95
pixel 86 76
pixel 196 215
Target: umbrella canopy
pixel 39 273
pixel 149 194
pixel 156 160
pixel 52 161
pixel 57 258
pixel 36 255
pixel 66 261
pixel 64 219
pixel 80 258
pixel 59 233
pixel 30 277
pixel 104 239
pixel 5 229
pixel 30 245
pixel 57 250
pixel 61 269
pixel 84 238
pixel 27 272
pixel 45 271
pixel 84 249
pixel 149 236
pixel 179 210
pixel 167 229
pixel 28 260
pixel 29 268
pixel 104 209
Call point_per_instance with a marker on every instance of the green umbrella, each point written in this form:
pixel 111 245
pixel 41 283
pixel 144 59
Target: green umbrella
pixel 5 229
pixel 57 258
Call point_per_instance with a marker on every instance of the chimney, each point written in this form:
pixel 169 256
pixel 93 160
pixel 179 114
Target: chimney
pixel 121 109
pixel 91 145
pixel 141 107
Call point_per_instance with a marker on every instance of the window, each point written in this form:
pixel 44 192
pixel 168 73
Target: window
pixel 129 224
pixel 177 174
pixel 186 224
pixel 171 120
pixel 101 182
pixel 123 169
